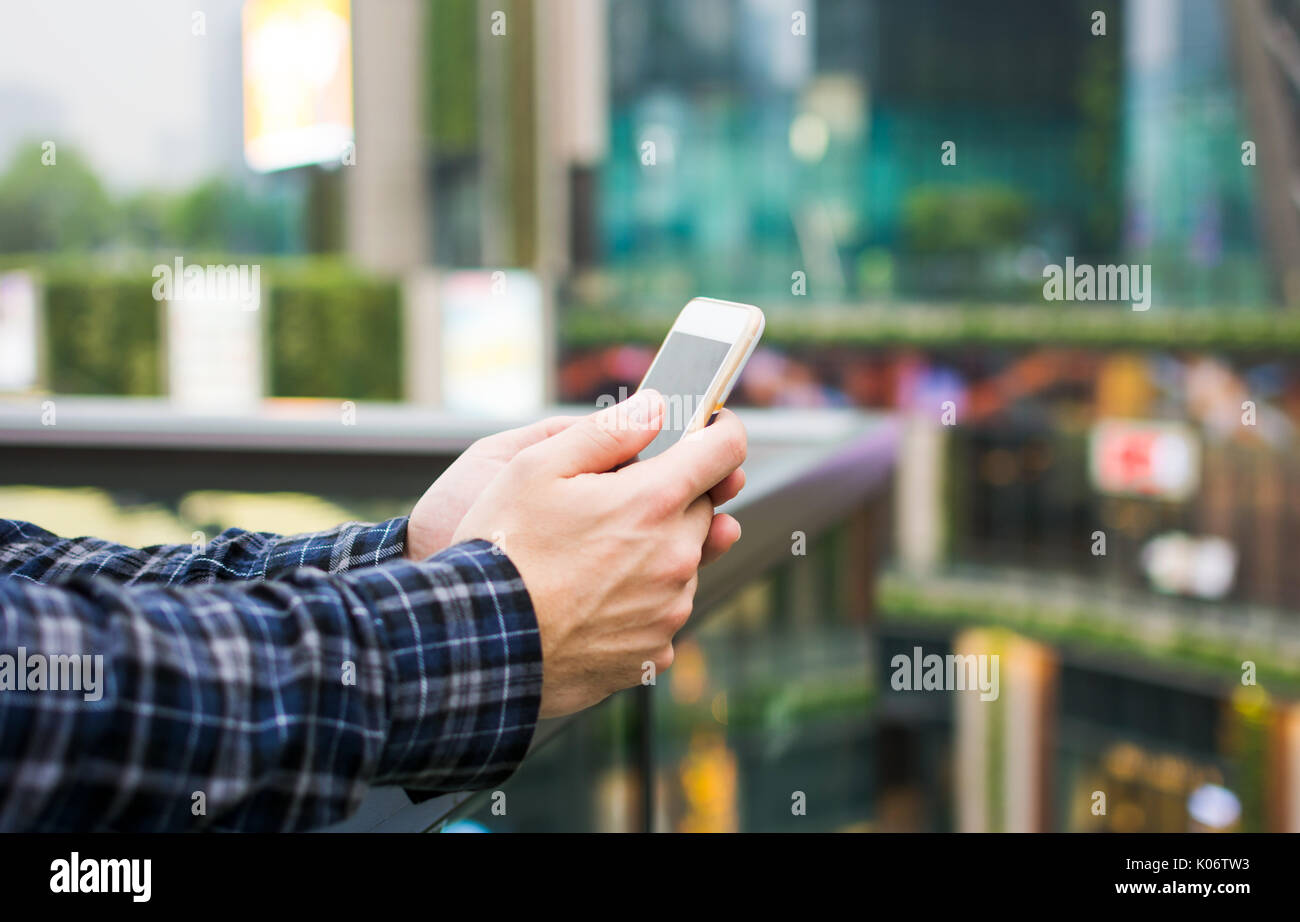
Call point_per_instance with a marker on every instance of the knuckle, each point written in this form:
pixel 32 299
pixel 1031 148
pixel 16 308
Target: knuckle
pixel 682 562
pixel 658 503
pixel 528 460
pixel 736 446
pixel 602 433
pixel 700 517
pixel 679 614
pixel 663 660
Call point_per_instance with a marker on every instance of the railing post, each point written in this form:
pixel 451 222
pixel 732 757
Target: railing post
pixel 644 753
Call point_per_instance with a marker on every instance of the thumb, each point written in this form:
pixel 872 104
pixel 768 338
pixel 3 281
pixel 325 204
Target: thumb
pixel 605 439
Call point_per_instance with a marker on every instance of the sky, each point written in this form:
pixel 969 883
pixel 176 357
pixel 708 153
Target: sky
pixel 127 83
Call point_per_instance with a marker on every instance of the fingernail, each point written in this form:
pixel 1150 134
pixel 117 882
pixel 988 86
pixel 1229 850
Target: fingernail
pixel 644 406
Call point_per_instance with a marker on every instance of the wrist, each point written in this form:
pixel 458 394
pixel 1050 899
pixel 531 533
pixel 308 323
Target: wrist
pixel 463 650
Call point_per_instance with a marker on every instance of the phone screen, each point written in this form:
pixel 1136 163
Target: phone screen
pixel 682 373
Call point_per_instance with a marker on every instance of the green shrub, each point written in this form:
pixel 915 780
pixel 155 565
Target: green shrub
pixel 103 336
pixel 334 333
pixel 330 331
pixel 964 220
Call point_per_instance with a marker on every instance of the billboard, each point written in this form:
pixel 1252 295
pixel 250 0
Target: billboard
pixel 493 355
pixel 214 348
pixel 297 82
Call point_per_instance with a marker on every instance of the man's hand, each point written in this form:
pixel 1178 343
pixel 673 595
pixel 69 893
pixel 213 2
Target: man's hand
pixel 611 557
pixel 444 504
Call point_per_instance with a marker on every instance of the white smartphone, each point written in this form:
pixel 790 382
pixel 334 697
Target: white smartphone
pixel 699 363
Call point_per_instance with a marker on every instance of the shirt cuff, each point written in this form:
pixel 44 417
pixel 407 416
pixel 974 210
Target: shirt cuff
pixel 353 546
pixel 464 673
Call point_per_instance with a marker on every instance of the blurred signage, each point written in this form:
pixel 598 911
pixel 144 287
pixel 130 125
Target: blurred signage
pixel 214 356
pixel 1181 564
pixel 1144 458
pixel 493 343
pixel 297 82
pixel 18 332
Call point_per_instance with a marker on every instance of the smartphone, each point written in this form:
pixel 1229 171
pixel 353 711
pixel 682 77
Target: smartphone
pixel 699 363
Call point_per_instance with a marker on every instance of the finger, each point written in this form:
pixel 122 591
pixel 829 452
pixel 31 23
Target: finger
pixel 688 595
pixel 517 440
pixel 545 428
pixel 700 515
pixel 731 485
pixel 698 462
pixel 605 439
pixel 724 531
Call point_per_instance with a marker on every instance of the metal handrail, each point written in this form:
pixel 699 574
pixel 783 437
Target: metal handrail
pixel 808 471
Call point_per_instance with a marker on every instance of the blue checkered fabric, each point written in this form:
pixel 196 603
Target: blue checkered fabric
pixel 277 677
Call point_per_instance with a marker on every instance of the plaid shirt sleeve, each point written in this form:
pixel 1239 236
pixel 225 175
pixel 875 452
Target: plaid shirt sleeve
pixel 270 704
pixel 32 553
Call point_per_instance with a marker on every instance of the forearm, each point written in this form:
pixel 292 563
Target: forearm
pixel 32 554
pixel 273 704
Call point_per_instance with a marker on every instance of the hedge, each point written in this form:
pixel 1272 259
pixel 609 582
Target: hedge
pixel 1082 623
pixel 335 331
pixel 331 331
pixel 335 334
pixel 103 336
pixel 1224 329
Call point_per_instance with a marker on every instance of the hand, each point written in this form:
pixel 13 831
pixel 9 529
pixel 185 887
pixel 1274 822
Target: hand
pixel 444 504
pixel 611 557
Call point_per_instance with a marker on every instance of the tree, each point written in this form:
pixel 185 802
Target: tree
pixel 52 206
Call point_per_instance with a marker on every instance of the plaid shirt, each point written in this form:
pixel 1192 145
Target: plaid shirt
pixel 277 677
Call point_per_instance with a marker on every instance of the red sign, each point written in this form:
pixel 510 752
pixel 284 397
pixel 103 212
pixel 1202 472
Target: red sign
pixel 1144 458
